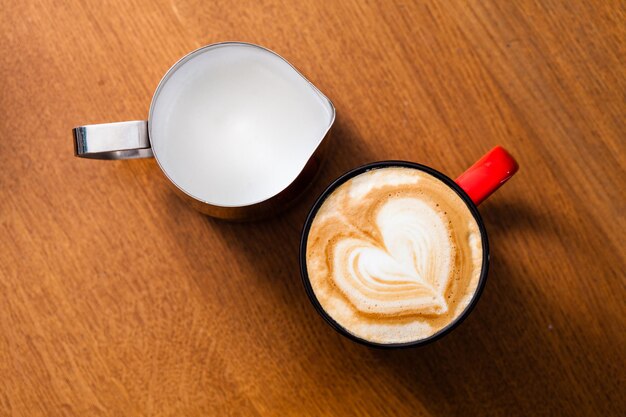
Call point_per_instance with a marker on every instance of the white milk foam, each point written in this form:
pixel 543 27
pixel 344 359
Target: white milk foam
pixel 412 264
pixel 235 124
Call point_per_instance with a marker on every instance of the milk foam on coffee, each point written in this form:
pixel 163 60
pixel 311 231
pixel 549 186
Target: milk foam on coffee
pixel 394 255
pixel 236 124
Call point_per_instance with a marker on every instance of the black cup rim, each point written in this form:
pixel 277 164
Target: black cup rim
pixel 385 164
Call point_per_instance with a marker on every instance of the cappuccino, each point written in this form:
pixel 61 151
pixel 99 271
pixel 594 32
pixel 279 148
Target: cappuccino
pixel 394 255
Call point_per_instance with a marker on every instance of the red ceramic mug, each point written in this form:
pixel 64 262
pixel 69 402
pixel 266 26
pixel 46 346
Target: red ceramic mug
pixel 473 187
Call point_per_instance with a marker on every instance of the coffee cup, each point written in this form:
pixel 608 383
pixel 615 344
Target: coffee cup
pixel 235 128
pixel 395 254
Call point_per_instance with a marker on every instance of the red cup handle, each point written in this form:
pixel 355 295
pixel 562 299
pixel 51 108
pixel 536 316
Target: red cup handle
pixel 488 174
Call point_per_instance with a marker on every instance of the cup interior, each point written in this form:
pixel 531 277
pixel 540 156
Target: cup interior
pixel 386 164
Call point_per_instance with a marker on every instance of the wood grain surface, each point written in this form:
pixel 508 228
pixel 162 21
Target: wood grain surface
pixel 117 299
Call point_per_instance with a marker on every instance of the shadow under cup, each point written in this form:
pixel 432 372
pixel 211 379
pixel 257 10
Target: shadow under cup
pixel 387 164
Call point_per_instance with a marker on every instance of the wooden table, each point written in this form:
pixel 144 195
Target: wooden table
pixel 118 299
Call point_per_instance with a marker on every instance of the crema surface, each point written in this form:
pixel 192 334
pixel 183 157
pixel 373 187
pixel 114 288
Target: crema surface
pixel 394 255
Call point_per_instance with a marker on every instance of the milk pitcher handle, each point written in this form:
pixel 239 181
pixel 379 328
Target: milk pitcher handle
pixel 123 140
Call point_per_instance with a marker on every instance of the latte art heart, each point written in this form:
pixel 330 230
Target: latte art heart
pixel 394 255
pixel 408 273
